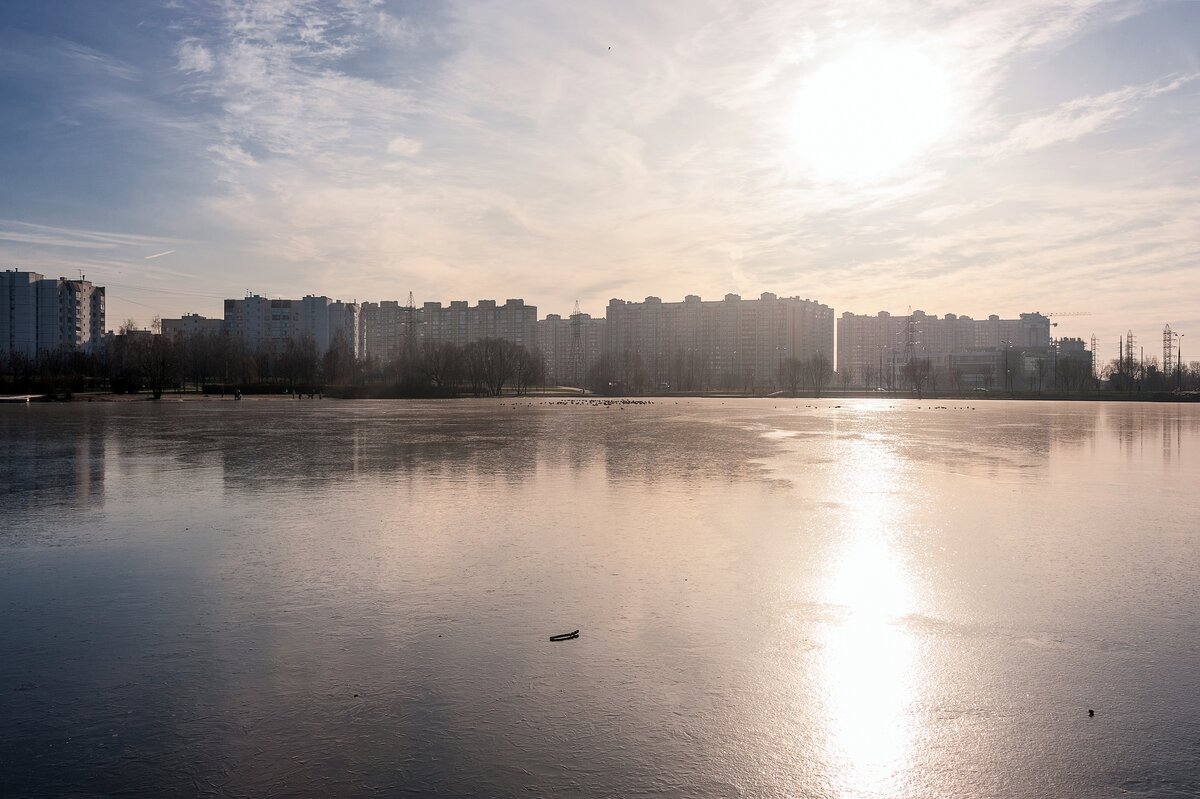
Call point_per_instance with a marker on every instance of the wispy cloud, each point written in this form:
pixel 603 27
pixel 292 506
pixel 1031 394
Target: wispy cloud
pixel 94 60
pixel 194 57
pixel 1086 115
pixel 48 235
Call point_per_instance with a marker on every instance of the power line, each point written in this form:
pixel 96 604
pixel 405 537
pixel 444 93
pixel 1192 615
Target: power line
pixel 135 302
pixel 165 291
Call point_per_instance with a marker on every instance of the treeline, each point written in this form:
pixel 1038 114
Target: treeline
pixel 1133 375
pixel 486 367
pixel 1067 375
pixel 628 372
pixel 137 360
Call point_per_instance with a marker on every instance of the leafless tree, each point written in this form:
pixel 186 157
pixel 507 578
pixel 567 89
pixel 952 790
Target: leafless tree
pixel 791 372
pixel 439 362
pixel 300 361
pixel 158 358
pixel 819 372
pixel 337 365
pixel 870 376
pixel 917 372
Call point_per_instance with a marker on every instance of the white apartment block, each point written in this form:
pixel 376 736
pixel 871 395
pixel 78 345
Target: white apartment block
pixel 39 314
pixel 731 342
pixel 260 322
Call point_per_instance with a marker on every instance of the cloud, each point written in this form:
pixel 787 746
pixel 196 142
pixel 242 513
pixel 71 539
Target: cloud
pixel 19 231
pixel 96 61
pixel 404 146
pixel 1086 115
pixel 476 149
pixel 194 57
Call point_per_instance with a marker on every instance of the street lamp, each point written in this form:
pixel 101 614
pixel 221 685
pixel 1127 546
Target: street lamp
pixel 1007 371
pixel 1179 360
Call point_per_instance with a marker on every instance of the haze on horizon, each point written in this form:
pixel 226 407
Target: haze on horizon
pixel 958 157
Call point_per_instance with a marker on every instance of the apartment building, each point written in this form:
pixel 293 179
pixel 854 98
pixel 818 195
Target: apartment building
pixel 39 314
pixel 874 348
pixel 261 322
pixel 461 324
pixel 191 325
pixel 570 347
pixel 727 343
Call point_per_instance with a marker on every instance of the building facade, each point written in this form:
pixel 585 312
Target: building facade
pixel 694 345
pixel 345 327
pixel 389 330
pixel 191 324
pixel 570 347
pixel 39 314
pixel 259 322
pixel 461 324
pixel 874 349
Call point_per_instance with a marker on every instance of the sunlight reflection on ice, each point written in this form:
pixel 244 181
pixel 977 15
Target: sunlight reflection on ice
pixel 868 658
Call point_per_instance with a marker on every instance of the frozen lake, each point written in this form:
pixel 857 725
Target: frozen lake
pixel 843 598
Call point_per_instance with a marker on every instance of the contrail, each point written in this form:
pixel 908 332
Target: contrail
pixel 158 255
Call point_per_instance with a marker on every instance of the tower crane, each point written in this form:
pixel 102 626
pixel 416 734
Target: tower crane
pixel 1061 314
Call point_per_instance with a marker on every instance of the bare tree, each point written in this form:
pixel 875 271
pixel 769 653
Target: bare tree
pixel 791 372
pixel 633 372
pixel 158 357
pixel 439 362
pixel 820 371
pixel 602 375
pixel 300 361
pixel 917 372
pixel 870 376
pixel 337 365
pixel 530 369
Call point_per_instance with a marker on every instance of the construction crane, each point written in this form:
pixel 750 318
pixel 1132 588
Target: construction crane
pixel 1061 314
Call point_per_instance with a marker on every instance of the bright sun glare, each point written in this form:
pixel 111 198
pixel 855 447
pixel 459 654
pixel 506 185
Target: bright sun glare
pixel 868 113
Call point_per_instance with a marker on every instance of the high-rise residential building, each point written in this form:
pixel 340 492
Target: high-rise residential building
pixel 39 314
pixel 261 322
pixel 345 324
pixel 727 343
pixel 457 323
pixel 383 329
pixel 874 349
pixel 570 347
pixel 18 312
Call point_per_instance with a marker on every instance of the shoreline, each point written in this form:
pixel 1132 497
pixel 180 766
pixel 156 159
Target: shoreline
pixel 109 397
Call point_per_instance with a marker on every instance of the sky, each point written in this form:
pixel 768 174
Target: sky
pixel 950 156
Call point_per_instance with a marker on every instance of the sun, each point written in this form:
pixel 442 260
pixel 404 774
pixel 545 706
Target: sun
pixel 871 112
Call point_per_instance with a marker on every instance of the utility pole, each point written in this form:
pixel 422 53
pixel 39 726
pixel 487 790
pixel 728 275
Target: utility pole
pixel 577 346
pixel 1168 350
pixel 410 327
